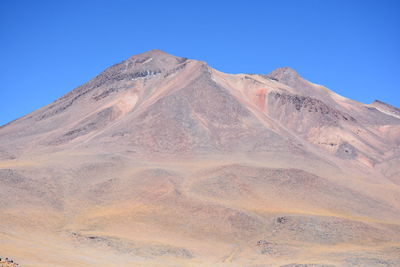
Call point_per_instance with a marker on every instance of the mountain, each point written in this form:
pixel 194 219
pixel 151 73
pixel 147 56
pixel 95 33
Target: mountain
pixel 164 161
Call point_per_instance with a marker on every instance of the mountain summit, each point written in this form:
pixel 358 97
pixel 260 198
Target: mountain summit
pixel 163 159
pixel 284 74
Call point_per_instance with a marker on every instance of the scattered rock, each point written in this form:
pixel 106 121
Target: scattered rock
pixel 8 262
pixel 262 243
pixel 282 220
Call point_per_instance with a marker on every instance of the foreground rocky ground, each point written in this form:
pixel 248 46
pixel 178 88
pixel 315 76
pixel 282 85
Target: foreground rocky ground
pixel 7 262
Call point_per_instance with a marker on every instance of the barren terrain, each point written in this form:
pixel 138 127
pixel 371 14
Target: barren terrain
pixel 165 161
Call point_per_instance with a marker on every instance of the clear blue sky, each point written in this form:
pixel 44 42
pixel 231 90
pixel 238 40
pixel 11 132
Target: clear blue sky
pixel 50 47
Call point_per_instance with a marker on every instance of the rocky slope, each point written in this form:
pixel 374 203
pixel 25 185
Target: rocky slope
pixel 165 161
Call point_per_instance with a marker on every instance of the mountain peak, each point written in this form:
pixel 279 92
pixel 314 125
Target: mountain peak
pixel 284 74
pixel 155 58
pixel 154 53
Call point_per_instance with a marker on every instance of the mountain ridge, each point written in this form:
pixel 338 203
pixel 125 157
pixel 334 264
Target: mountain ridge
pixel 140 70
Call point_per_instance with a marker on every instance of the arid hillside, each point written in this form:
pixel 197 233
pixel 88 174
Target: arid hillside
pixel 164 161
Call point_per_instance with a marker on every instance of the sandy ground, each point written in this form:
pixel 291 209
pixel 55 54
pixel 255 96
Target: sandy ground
pixel 124 212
